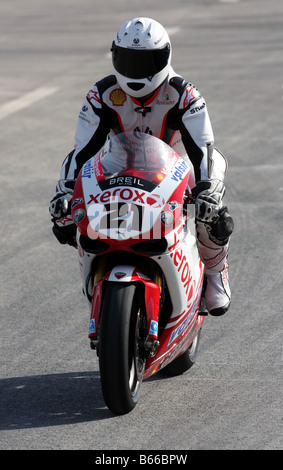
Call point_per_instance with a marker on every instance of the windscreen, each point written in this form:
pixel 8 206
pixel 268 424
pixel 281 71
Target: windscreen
pixel 136 153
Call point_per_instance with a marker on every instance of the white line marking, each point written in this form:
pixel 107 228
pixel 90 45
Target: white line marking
pixel 26 100
pixel 173 30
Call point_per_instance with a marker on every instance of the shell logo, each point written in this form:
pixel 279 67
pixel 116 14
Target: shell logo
pixel 118 97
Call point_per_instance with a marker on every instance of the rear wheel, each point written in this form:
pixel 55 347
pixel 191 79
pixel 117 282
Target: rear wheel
pixel 184 362
pixel 123 330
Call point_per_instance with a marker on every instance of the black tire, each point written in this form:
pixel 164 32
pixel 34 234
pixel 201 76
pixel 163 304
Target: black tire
pixel 122 360
pixel 184 362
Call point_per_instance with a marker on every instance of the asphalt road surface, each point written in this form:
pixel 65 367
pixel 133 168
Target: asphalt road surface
pixel 50 396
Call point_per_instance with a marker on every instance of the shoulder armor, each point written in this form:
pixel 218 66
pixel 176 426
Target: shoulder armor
pixel 189 97
pixel 189 94
pixel 106 83
pixel 95 93
pixel 179 83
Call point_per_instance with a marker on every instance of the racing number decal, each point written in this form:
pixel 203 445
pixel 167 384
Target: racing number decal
pixel 123 211
pixel 122 216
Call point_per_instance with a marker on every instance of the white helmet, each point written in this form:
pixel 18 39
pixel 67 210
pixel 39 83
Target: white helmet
pixel 141 56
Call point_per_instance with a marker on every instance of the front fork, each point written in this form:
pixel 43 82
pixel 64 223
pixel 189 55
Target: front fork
pixel 152 290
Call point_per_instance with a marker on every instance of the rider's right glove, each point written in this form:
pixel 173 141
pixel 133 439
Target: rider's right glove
pixel 60 205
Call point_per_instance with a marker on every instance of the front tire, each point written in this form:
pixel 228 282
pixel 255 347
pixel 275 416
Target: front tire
pixel 123 330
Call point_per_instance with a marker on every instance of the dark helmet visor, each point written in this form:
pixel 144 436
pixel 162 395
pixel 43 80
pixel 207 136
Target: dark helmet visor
pixel 138 63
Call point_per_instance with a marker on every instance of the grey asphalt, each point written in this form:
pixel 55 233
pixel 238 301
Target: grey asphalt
pixel 51 53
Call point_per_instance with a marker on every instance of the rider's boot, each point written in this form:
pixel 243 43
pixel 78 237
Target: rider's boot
pixel 217 293
pixel 213 253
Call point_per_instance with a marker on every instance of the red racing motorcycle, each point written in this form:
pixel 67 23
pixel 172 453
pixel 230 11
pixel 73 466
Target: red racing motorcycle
pixel 145 276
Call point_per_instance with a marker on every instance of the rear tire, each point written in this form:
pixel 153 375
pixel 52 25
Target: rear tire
pixel 123 330
pixel 184 362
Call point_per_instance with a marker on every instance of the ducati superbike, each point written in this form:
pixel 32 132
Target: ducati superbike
pixel 145 276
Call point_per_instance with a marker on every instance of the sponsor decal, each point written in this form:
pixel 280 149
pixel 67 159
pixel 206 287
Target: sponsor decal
pixel 79 215
pixel 197 108
pixel 190 97
pixel 98 169
pixel 118 97
pixel 166 100
pixel 164 171
pixel 88 169
pixel 78 200
pixel 153 328
pixel 93 96
pixel 119 275
pixel 125 181
pixel 180 170
pixel 182 265
pixel 127 194
pixel 181 328
pixel 91 329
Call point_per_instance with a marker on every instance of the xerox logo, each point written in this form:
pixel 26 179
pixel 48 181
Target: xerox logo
pixel 182 265
pixel 127 194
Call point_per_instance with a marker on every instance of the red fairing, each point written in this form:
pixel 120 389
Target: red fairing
pixel 152 298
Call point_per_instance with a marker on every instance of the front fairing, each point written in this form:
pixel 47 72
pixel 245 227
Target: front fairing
pixel 131 190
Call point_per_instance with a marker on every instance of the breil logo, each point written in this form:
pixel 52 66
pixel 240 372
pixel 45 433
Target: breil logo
pixel 125 180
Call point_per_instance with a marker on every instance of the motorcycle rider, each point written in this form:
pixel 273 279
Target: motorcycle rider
pixel 145 94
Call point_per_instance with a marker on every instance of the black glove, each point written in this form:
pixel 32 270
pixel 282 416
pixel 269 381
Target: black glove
pixel 60 205
pixel 209 195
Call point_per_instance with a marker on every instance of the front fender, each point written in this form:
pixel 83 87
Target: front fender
pixel 126 273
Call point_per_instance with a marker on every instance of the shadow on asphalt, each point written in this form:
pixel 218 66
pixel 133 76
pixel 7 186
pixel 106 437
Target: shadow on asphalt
pixel 51 400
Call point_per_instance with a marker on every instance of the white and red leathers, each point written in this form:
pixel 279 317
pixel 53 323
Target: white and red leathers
pixel 177 114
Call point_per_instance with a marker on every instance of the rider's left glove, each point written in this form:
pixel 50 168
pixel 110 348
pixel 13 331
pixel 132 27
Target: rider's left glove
pixel 60 205
pixel 209 195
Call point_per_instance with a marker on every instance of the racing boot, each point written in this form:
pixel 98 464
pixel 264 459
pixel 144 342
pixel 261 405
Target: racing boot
pixel 217 293
pixel 213 250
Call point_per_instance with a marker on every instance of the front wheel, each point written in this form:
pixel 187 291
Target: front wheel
pixel 123 330
pixel 184 362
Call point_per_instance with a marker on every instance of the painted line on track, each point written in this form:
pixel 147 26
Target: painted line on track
pixel 25 101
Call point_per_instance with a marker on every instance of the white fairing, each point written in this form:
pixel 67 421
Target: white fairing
pixel 183 269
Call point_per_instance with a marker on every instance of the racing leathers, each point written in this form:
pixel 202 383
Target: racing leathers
pixel 177 114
